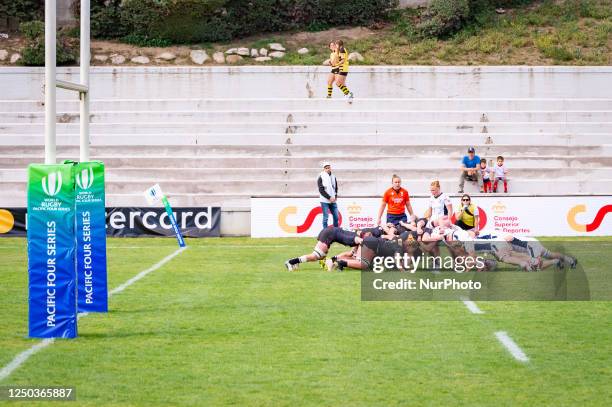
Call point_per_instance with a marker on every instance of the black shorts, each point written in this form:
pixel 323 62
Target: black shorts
pixel 327 235
pixel 376 232
pixel 406 234
pixel 346 237
pixel 371 243
pixel 336 71
pixel 333 234
pixel 463 225
pixel 401 229
pixel 381 247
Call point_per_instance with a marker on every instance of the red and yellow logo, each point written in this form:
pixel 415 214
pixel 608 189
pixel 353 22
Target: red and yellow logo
pixel 292 210
pixel 601 214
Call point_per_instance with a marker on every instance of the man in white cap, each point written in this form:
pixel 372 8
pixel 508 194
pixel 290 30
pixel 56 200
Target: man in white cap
pixel 328 193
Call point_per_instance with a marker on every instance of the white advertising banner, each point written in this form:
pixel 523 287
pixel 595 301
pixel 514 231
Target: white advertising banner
pixel 526 216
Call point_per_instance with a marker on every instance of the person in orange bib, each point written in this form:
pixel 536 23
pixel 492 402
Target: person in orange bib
pixel 396 200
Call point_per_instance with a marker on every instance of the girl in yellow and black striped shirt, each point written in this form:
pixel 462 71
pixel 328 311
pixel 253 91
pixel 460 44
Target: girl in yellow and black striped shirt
pixel 339 62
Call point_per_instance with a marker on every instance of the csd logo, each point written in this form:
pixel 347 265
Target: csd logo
pixel 292 210
pixel 85 178
pixel 52 183
pixel 601 214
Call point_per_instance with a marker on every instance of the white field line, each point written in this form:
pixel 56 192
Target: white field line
pixel 512 347
pixel 471 305
pixel 207 246
pixel 229 246
pixel 25 355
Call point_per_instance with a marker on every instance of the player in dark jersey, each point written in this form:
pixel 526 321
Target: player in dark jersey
pixel 326 238
pixel 370 248
pixel 387 232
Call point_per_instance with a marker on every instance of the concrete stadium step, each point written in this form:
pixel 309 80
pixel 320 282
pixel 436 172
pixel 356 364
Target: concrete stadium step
pixel 290 150
pixel 368 187
pixel 317 127
pixel 374 162
pixel 453 139
pixel 169 175
pixel 298 116
pixel 318 104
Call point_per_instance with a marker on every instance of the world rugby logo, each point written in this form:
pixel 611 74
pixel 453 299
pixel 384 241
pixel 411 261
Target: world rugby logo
pixel 52 183
pixel 85 178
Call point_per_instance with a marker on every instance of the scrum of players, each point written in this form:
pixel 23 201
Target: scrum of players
pixel 424 236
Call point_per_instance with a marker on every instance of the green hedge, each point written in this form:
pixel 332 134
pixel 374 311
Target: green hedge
pixel 445 17
pixel 33 54
pixel 23 10
pixel 192 21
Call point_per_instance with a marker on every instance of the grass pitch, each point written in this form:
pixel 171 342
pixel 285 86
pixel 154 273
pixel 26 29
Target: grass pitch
pixel 224 324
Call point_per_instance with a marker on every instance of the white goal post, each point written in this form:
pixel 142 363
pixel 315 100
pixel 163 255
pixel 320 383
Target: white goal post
pixel 51 82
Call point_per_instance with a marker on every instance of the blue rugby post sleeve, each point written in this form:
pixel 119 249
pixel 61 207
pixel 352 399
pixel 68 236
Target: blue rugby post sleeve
pixel 90 237
pixel 177 231
pixel 52 311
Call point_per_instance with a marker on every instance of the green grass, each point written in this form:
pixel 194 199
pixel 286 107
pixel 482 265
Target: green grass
pixel 224 324
pixel 570 32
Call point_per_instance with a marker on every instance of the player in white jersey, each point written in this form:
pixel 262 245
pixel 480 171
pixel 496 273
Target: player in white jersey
pixel 438 205
pixel 535 249
pixel 526 252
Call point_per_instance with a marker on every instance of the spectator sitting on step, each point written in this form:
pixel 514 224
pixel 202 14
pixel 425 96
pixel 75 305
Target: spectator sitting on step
pixel 467 216
pixel 499 174
pixel 469 170
pixel 485 172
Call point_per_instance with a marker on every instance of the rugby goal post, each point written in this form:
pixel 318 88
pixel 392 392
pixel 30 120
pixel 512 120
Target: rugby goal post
pixel 51 82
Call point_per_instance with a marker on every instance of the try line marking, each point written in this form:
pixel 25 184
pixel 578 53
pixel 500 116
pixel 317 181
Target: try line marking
pixel 511 346
pixel 25 355
pixel 471 305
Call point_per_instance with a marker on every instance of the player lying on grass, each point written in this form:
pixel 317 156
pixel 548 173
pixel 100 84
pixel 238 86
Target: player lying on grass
pixel 363 255
pixel 527 253
pixel 407 235
pixel 386 232
pixel 326 238
pixel 464 244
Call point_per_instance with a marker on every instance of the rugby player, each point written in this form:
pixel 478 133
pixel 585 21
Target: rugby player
pixel 439 204
pixel 364 254
pixel 527 253
pixel 339 62
pixel 386 232
pixel 326 238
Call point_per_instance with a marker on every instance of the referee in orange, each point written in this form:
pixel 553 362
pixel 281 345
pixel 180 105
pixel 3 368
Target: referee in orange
pixel 397 201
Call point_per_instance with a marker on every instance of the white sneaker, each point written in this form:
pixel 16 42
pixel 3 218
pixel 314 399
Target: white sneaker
pixel 290 267
pixel 330 265
pixel 349 97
